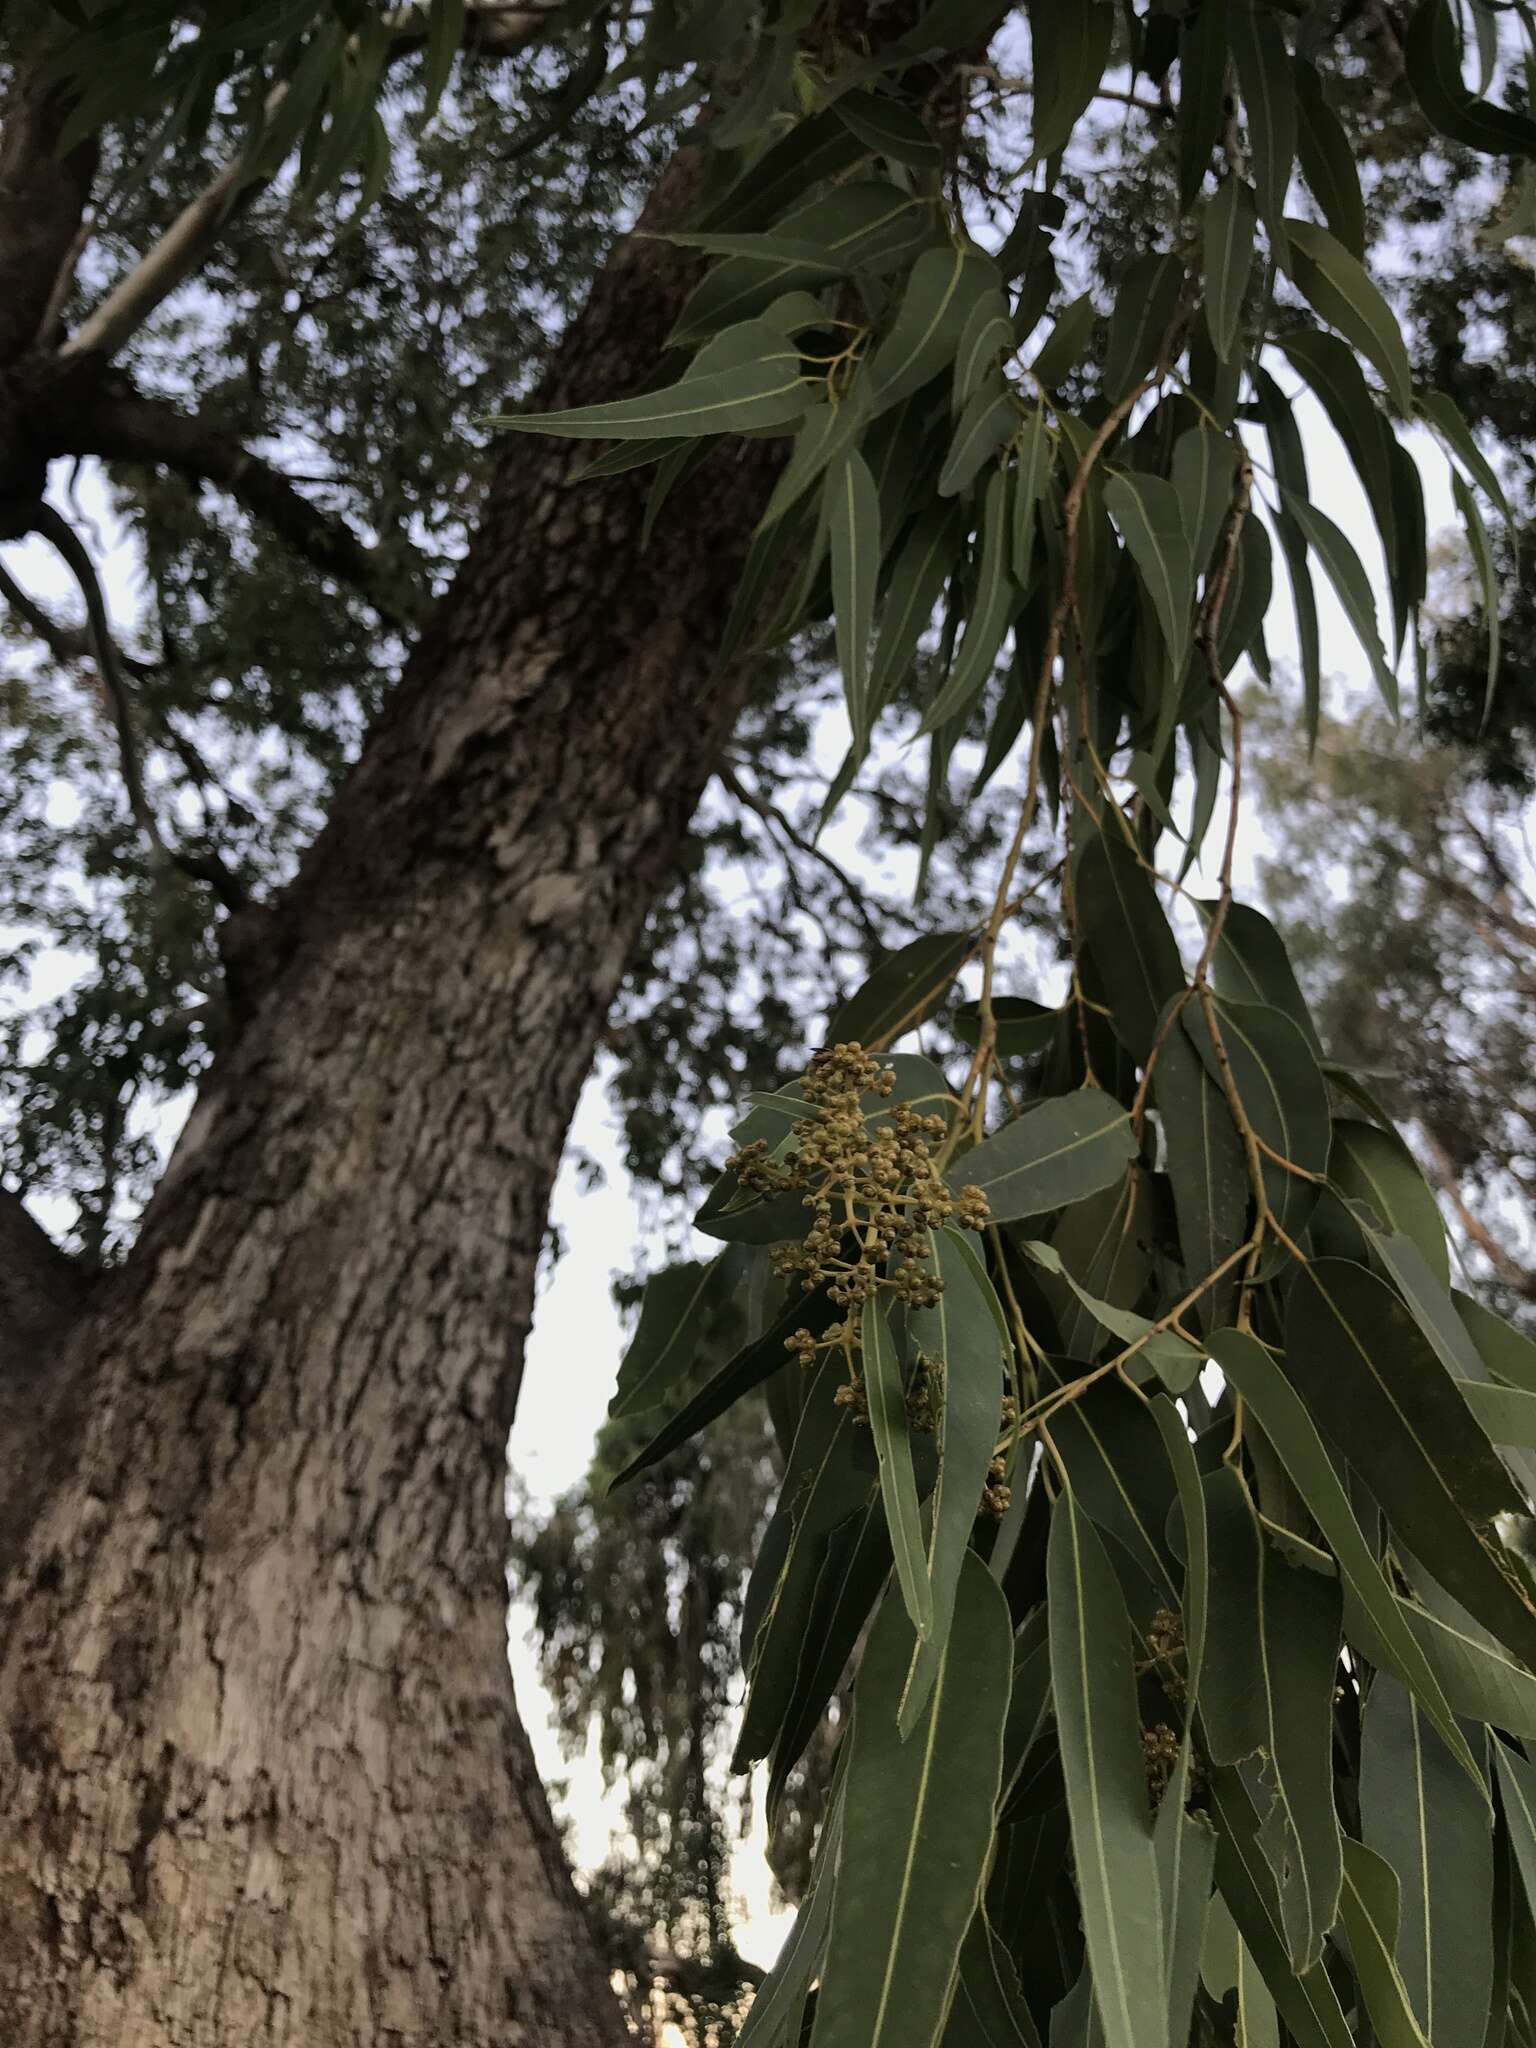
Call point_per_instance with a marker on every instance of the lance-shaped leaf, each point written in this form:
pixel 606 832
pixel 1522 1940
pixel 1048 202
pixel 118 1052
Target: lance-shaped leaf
pixel 853 523
pixel 1094 1689
pixel 1370 1165
pixel 1070 48
pixel 917 579
pixel 1284 1097
pixel 1488 579
pixel 1350 581
pixel 886 1399
pixel 1113 1451
pixel 1024 1028
pixel 827 434
pixel 1306 1999
pixel 1206 1168
pixel 903 990
pixel 1102 1244
pixel 991 610
pixel 1145 310
pixel 1062 348
pixel 925 335
pixel 1419 1812
pixel 748 1369
pixel 1061 1151
pixel 1371 1912
pixel 1156 527
pixel 1204 466
pixel 961 1331
pixel 1202 95
pixel 827 1488
pixel 917 1826
pixel 1517 1798
pixel 1268 88
pixel 890 127
pixel 811 151
pixel 986 425
pixel 1252 966
pixel 1356 1355
pixel 989 2009
pixel 1476 1678
pixel 1230 221
pixel 1134 951
pixel 1507 1352
pixel 678 1304
pixel 1299 1446
pixel 1268 1693
pixel 1340 291
pixel 773 2020
pixel 1328 161
pixel 1449 422
pixel 767 392
pixel 1432 51
pixel 986 339
pixel 1290 469
pixel 1507 1414
pixel 1228 1966
pixel 1185 1847
pixel 1032 475
pixel 1178 1363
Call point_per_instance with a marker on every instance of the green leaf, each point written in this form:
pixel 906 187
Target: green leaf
pixel 921 570
pixel 1294 1436
pixel 1370 1912
pixel 1506 1414
pixel 1432 53
pixel 1203 469
pixel 1185 1848
pixel 748 1369
pixel 1350 581
pixel 1252 966
pixel 1488 578
pixel 1024 1028
pixel 1476 1677
pixel 1100 1735
pixel 853 524
pixel 1154 525
pixel 814 149
pixel 1289 463
pixel 1268 1693
pixel 1306 1999
pixel 1069 48
pixel 1062 349
pixel 773 2019
pixel 1356 1354
pixel 1517 1798
pixel 1445 416
pixel 1283 1094
pixel 989 2009
pixel 1506 1351
pixel 1268 89
pixel 1030 481
pixel 445 33
pixel 1176 1361
pixel 1328 161
pixel 1145 309
pixel 1230 221
pixel 962 1330
pixel 769 392
pixel 917 1827
pixel 1061 1151
pixel 1371 1165
pixel 925 335
pixel 988 336
pixel 1202 94
pixel 1118 1472
pixel 1340 291
pixel 890 127
pixel 673 1315
pixel 991 611
pixel 907 986
pixel 887 1404
pixel 987 424
pixel 1420 1814
pixel 1133 949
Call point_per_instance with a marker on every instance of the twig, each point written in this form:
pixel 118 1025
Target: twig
pixel 772 816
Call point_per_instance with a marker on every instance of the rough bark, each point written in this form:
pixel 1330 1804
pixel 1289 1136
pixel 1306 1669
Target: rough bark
pixel 261 1765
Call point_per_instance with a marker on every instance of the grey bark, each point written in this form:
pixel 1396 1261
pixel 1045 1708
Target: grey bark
pixel 262 1772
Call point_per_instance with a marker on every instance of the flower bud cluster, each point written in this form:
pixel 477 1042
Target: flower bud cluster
pixel 873 1186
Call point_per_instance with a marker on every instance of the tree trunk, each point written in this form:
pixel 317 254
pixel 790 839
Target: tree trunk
pixel 262 1770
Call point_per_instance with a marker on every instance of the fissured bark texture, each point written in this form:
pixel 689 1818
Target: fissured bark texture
pixel 262 1774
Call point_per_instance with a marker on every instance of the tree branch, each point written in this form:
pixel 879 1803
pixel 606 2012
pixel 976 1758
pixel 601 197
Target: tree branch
pixel 68 644
pixel 753 800
pixel 42 200
pixel 1512 1271
pixel 123 426
pixel 41 1288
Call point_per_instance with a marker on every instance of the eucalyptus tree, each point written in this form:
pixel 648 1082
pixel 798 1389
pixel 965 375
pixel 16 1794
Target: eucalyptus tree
pixel 1152 1656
